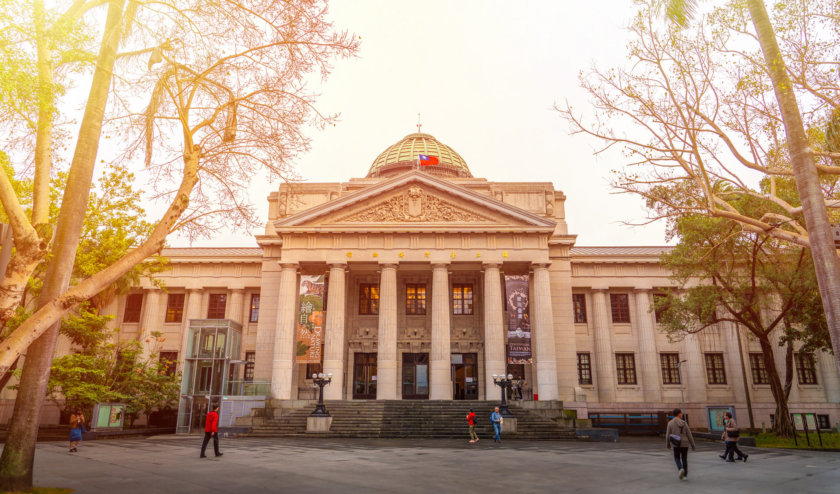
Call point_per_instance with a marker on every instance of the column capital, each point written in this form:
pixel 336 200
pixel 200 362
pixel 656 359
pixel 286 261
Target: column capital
pixel 440 265
pixel 388 265
pixel 540 265
pixel 337 265
pixel 641 289
pixel 491 265
pixel 600 289
pixel 288 265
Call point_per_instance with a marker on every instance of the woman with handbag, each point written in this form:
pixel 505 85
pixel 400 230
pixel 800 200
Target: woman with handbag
pixel 731 433
pixel 77 428
pixel 678 437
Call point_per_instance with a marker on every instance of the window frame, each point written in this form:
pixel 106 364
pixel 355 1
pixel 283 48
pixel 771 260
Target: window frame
pixel 623 371
pixel 371 308
pixel 174 313
pixel 467 303
pixel 254 310
pixel 415 303
pixel 579 302
pixel 657 312
pixel 715 375
pixel 248 368
pixel 215 307
pixel 620 314
pixel 136 313
pixel 806 374
pixel 758 369
pixel 669 363
pixel 171 363
pixel 584 368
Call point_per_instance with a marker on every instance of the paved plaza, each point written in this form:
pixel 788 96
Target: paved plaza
pixel 169 464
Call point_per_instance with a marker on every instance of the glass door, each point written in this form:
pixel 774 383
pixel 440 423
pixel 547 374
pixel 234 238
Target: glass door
pixel 415 376
pixel 364 376
pixel 464 376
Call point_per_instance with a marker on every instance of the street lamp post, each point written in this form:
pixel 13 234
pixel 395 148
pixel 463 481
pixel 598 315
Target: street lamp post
pixel 504 382
pixel 321 380
pixel 682 393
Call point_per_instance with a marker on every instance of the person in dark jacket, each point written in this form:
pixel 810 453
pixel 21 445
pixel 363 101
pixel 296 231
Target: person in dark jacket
pixel 678 436
pixel 77 428
pixel 211 429
pixel 730 437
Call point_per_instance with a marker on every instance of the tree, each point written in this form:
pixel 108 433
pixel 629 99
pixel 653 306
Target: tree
pixel 716 101
pixel 230 79
pixel 757 282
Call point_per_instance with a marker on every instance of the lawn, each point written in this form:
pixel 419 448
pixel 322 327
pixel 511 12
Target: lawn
pixel 830 440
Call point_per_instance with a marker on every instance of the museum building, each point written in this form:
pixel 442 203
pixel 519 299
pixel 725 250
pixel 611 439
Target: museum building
pixel 421 281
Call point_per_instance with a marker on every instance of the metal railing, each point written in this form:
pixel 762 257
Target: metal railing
pixel 248 388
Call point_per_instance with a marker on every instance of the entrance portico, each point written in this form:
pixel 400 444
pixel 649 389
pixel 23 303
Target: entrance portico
pixel 414 267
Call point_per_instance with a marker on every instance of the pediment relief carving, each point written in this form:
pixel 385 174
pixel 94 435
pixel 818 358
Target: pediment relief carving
pixel 414 205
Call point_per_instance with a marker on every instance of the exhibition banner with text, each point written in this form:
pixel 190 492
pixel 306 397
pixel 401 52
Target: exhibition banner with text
pixel 519 320
pixel 310 335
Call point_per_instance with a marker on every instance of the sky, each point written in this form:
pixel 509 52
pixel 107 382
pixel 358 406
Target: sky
pixel 484 76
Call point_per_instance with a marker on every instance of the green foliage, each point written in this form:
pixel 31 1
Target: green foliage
pixel 830 440
pixel 105 370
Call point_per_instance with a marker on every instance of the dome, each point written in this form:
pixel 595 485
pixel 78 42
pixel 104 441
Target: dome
pixel 403 156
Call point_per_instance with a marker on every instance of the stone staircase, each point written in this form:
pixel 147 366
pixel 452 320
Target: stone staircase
pixel 403 419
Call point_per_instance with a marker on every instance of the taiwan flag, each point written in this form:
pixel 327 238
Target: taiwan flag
pixel 425 159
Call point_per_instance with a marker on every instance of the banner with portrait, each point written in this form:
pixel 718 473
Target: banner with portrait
pixel 519 319
pixel 310 323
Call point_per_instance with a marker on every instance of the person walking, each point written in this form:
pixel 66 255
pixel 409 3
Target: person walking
pixel 678 436
pixel 730 436
pixel 471 422
pixel 77 428
pixel 211 429
pixel 496 419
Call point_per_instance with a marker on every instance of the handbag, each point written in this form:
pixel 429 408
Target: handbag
pixel 675 439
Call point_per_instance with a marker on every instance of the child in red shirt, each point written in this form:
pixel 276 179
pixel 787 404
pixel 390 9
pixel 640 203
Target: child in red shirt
pixel 471 422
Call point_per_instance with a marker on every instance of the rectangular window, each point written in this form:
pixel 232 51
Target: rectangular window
pixel 169 361
pixel 715 371
pixel 823 422
pixel 133 307
pixel 250 358
pixel 658 307
pixel 579 306
pixel 625 366
pixel 670 367
pixel 462 299
pixel 415 299
pixel 584 365
pixel 759 371
pixel 805 368
pixel 174 307
pixel 216 306
pixel 255 308
pixel 368 299
pixel 620 305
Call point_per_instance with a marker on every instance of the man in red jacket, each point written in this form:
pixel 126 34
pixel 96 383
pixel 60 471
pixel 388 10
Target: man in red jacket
pixel 211 429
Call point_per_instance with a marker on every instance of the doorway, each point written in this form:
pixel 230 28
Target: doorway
pixel 415 376
pixel 364 376
pixel 464 376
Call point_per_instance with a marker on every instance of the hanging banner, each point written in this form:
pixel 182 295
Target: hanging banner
pixel 310 335
pixel 519 319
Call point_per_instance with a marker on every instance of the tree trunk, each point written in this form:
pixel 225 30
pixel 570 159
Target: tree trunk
pixel 16 463
pixel 782 425
pixel 826 261
pixel 788 369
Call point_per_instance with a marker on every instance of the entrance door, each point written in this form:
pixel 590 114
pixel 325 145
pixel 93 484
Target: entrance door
pixel 415 376
pixel 364 376
pixel 464 376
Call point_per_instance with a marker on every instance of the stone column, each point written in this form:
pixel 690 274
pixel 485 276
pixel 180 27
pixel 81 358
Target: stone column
pixel 543 327
pixel 235 309
pixel 284 340
pixel 386 356
pixel 494 331
pixel 192 308
pixel 440 362
pixel 151 320
pixel 694 371
pixel 830 377
pixel 604 370
pixel 647 348
pixel 334 332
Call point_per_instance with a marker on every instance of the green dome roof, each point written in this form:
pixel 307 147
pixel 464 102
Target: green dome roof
pixel 403 155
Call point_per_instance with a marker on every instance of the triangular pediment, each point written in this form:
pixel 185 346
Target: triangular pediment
pixel 417 200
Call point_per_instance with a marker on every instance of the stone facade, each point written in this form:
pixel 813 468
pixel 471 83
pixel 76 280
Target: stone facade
pixel 411 228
